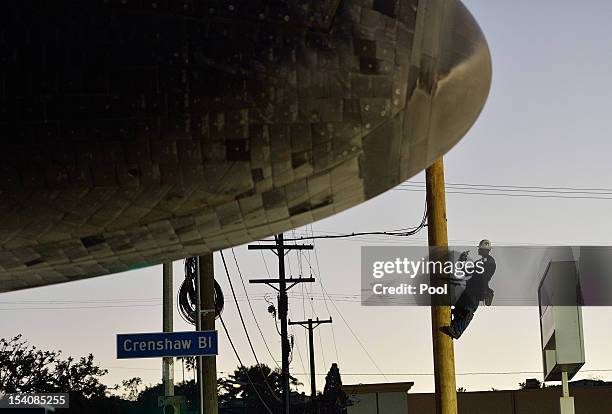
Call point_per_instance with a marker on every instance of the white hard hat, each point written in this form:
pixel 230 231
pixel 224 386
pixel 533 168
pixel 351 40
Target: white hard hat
pixel 484 244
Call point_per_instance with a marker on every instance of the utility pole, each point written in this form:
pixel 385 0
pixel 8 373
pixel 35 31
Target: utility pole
pixel 167 313
pixel 205 321
pixel 283 303
pixel 311 325
pixel 443 351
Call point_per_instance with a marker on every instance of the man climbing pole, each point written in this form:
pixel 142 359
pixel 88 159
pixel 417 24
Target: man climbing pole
pixel 476 290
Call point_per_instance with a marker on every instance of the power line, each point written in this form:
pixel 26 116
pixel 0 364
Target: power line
pixel 81 307
pixel 246 372
pixel 87 301
pixel 406 374
pixel 504 193
pixel 324 300
pixel 252 311
pixel 356 337
pixel 420 241
pixel 407 232
pixel 514 195
pixel 83 301
pixel 297 345
pixel 246 332
pixel 299 255
pixel 349 299
pixel 525 187
pixel 311 300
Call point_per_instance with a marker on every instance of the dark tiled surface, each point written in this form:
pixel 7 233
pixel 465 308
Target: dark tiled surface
pixel 136 132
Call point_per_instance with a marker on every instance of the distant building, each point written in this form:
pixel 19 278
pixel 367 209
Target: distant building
pixel 590 396
pixel 390 398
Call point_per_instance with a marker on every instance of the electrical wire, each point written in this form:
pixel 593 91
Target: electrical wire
pixel 515 191
pixel 320 278
pixel 246 332
pixel 229 338
pixel 79 307
pixel 407 232
pixel 337 298
pixel 112 301
pixel 187 295
pixel 357 338
pixel 524 187
pixel 411 374
pixel 297 344
pixel 515 195
pixel 351 329
pixel 299 254
pixel 252 311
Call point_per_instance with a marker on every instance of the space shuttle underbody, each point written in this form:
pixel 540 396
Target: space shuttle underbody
pixel 140 131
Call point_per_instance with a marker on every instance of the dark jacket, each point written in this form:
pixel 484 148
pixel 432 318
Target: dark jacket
pixel 477 286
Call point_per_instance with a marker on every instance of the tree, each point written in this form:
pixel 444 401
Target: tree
pixel 334 398
pixel 131 388
pixel 532 383
pixel 147 399
pixel 27 369
pixel 24 368
pixel 252 383
pixel 188 363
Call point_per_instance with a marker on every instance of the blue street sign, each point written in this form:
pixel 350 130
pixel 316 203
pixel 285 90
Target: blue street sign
pixel 167 344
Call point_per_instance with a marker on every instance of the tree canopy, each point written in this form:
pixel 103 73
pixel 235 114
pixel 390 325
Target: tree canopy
pixel 26 369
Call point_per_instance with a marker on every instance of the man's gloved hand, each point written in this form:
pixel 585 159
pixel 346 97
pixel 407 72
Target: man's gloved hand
pixel 463 256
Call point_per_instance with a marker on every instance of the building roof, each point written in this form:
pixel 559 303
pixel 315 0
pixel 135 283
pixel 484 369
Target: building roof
pixel 374 388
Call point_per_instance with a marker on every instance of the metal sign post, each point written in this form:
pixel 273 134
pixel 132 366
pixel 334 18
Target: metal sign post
pixel 167 313
pixel 561 332
pixel 567 402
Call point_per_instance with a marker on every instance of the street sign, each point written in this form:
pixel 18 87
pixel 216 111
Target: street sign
pixel 167 344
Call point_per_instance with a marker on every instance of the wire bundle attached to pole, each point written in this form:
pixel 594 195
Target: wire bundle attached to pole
pixel 187 295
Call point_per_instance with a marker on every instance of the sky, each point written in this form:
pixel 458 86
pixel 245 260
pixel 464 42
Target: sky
pixel 546 123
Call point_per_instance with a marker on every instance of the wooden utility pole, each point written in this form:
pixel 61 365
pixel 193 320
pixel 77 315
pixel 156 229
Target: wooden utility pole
pixel 311 325
pixel 443 351
pixel 283 303
pixel 207 366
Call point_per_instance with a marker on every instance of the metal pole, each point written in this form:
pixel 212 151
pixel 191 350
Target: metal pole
pixel 567 402
pixel 283 303
pixel 208 364
pixel 198 359
pixel 443 351
pixel 168 362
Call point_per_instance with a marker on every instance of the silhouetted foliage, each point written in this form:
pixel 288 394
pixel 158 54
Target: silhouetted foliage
pixel 531 383
pixel 245 384
pixel 24 368
pixel 334 398
pixel 27 369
